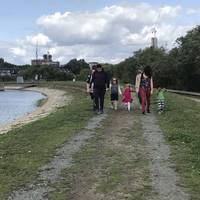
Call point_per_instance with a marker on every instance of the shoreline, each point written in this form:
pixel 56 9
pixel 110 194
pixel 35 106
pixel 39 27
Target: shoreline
pixel 54 99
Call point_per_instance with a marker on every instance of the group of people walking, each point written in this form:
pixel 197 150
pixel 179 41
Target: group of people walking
pixel 98 83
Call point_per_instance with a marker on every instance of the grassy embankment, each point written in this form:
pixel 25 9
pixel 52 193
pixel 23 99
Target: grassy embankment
pixel 181 125
pixel 24 150
pixel 113 165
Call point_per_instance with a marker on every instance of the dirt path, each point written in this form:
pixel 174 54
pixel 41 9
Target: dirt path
pixel 165 181
pixel 128 159
pixel 118 156
pixel 114 165
pixel 50 173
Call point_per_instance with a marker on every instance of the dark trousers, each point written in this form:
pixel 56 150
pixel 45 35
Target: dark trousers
pixel 99 98
pixel 146 98
pixel 93 101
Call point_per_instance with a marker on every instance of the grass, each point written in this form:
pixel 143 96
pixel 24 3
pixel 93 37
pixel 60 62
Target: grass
pixel 106 170
pixel 181 126
pixel 24 150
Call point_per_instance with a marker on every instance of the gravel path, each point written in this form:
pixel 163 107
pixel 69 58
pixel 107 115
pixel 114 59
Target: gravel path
pixel 50 173
pixel 164 178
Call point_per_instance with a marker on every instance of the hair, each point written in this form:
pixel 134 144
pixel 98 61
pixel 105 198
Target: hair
pixel 148 71
pixel 140 69
pixel 127 84
pixel 98 66
pixel 94 67
pixel 113 80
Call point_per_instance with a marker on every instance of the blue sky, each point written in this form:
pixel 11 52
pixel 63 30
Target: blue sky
pixel 19 19
pixel 19 16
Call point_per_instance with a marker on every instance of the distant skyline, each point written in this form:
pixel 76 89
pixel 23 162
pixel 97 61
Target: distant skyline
pixel 95 30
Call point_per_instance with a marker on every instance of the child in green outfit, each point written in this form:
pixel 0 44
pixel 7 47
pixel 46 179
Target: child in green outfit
pixel 161 100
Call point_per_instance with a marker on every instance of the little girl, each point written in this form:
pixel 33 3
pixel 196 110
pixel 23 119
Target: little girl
pixel 161 100
pixel 115 91
pixel 127 96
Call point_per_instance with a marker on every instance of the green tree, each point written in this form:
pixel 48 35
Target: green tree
pixel 189 59
pixel 75 66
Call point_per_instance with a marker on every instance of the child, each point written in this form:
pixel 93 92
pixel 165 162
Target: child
pixel 115 91
pixel 127 96
pixel 160 100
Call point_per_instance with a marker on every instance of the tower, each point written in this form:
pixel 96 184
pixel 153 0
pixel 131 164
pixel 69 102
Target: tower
pixel 154 40
pixel 36 51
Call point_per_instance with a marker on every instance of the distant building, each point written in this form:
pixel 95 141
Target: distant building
pixel 6 72
pixel 154 42
pixel 154 39
pixel 47 60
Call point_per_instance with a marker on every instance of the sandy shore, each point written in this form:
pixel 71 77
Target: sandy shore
pixel 55 99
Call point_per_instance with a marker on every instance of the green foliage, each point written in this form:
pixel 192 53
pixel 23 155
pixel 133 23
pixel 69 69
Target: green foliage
pixel 75 66
pixel 15 69
pixel 181 126
pixel 47 72
pixel 177 69
pixel 83 74
pixel 7 78
pixel 24 150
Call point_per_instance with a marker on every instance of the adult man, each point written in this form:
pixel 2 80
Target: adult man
pixel 100 83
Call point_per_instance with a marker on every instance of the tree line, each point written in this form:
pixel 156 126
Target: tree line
pixel 178 68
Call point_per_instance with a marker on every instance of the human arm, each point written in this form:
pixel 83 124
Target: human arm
pixel 107 81
pixel 151 85
pixel 88 83
pixel 119 90
pixel 92 80
pixel 137 83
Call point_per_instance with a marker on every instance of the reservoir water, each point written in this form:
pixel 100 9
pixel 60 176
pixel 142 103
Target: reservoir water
pixel 17 103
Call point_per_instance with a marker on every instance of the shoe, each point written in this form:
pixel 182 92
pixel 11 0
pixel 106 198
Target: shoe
pixel 143 113
pixel 98 112
pixel 101 112
pixel 148 111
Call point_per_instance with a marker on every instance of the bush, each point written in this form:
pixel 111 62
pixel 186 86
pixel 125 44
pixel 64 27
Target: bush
pixel 49 73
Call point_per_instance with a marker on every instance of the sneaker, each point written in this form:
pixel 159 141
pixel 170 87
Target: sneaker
pixel 101 112
pixel 98 112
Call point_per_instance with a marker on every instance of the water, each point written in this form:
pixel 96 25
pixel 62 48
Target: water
pixel 17 103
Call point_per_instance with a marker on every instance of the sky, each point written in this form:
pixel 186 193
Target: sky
pixel 94 30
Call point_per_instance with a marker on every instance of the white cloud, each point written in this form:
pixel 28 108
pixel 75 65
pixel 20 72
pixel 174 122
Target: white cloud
pixel 104 26
pixel 169 12
pixel 18 51
pixel 39 39
pixel 109 34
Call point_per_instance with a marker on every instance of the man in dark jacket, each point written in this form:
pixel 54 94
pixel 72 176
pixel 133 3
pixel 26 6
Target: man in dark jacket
pixel 100 83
